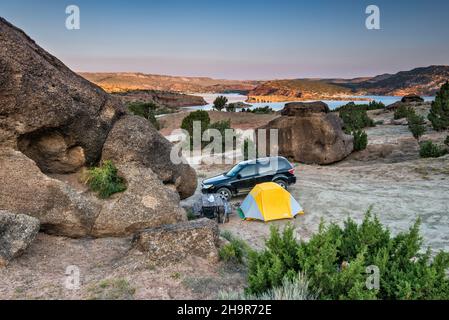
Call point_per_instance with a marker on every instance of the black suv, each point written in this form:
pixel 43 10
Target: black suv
pixel 245 175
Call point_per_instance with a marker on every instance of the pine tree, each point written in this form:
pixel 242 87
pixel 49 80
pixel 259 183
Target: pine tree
pixel 439 113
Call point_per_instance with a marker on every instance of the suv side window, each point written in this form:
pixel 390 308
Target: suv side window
pixel 265 168
pixel 248 171
pixel 284 165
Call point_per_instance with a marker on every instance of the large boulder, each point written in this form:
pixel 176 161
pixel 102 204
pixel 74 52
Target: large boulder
pixel 302 109
pixel 173 243
pixel 17 232
pixel 63 210
pixel 146 203
pixel 50 113
pixel 412 98
pixel 52 123
pixel 134 140
pixel 24 189
pixel 309 134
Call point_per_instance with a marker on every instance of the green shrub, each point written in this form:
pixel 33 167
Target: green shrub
pixel 403 112
pixel 261 110
pixel 190 214
pixel 105 180
pixel 231 107
pixel 439 112
pixel 373 105
pixel 220 103
pixel 222 127
pixel 428 149
pixel 360 140
pixel 290 289
pixel 416 125
pixel 199 115
pixel 335 261
pixel 446 142
pixel 354 119
pixel 145 110
pixel 234 251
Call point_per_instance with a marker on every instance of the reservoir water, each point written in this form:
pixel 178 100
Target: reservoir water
pixel 234 97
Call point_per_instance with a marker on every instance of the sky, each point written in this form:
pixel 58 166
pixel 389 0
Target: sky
pixel 243 39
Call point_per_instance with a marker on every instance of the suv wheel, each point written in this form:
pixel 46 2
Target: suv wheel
pixel 282 183
pixel 225 193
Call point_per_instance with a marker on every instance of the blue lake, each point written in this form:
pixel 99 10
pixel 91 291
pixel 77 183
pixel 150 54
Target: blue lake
pixel 280 105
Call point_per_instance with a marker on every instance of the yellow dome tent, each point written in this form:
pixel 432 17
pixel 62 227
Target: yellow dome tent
pixel 269 201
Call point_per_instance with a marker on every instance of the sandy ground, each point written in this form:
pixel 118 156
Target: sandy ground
pixel 109 269
pixel 397 192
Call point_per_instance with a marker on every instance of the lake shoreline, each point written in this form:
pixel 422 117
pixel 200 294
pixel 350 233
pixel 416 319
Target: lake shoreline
pixel 277 106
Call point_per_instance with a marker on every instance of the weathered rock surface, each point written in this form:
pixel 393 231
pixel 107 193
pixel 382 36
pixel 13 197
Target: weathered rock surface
pixel 412 98
pixel 146 203
pixel 134 140
pixel 173 243
pixel 24 189
pixel 17 232
pixel 164 99
pixel 42 102
pixel 52 121
pixel 310 135
pixel 302 109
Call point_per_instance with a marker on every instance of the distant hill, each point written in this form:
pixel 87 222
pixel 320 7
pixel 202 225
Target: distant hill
pixel 296 89
pixel 423 81
pixel 120 82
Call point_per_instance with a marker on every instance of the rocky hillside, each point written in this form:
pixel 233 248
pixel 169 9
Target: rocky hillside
pixel 161 98
pixel 423 81
pixel 297 89
pixel 118 82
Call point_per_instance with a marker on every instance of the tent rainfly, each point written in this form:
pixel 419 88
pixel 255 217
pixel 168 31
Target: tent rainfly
pixel 269 201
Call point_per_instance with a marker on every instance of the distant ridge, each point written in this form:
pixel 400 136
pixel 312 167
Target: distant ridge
pixel 423 81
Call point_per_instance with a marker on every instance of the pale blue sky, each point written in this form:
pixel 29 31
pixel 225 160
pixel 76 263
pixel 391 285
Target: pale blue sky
pixel 239 39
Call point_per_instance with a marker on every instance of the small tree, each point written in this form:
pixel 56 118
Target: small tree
pixel 416 125
pixel 145 110
pixel 403 111
pixel 439 112
pixel 220 103
pixel 200 116
pixel 231 107
pixel 360 140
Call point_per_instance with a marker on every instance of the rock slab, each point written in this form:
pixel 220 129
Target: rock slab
pixel 17 232
pixel 173 243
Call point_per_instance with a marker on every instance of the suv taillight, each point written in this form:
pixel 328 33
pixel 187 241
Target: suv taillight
pixel 292 171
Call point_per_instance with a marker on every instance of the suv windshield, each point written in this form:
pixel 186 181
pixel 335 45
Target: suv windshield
pixel 233 172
